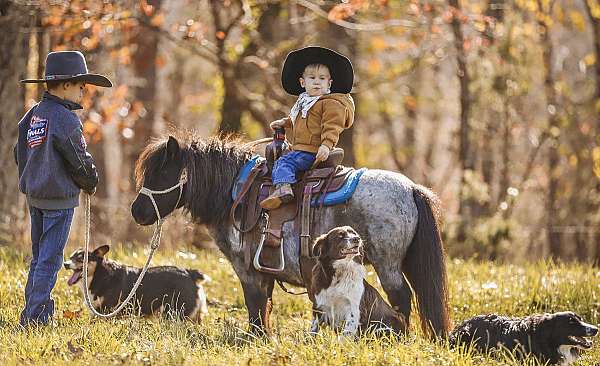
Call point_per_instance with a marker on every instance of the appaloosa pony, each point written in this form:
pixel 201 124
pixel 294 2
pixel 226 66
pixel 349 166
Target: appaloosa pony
pixel 397 219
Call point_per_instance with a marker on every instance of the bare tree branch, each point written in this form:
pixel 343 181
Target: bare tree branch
pixel 369 27
pixel 193 47
pixel 527 172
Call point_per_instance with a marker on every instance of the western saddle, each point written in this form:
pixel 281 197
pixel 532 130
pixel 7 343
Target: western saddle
pixel 312 185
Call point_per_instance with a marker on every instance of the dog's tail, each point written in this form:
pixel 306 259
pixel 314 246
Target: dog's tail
pixel 198 276
pixel 425 265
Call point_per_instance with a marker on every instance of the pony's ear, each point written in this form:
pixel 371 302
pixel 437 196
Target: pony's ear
pixel 319 244
pixel 172 147
pixel 101 251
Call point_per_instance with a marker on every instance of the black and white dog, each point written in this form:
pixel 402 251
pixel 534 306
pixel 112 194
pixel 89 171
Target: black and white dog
pixel 344 300
pixel 555 338
pixel 164 289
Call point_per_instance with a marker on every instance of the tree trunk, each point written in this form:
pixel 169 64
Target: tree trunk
pixel 15 45
pixel 145 51
pixel 431 145
pixel 595 22
pixel 410 141
pixel 345 42
pixel 495 11
pixel 145 46
pixel 552 209
pixel 236 103
pixel 231 110
pixel 464 153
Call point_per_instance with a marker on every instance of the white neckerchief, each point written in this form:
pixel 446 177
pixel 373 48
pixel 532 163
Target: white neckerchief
pixel 303 104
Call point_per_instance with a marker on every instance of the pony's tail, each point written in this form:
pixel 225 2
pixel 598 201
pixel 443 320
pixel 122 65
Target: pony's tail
pixel 425 266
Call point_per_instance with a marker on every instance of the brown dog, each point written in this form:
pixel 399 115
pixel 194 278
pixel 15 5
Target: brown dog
pixel 343 298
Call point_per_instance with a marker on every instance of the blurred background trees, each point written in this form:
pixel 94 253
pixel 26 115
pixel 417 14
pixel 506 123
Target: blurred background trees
pixel 493 104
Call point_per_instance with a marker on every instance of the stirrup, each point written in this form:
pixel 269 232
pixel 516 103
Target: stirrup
pixel 256 262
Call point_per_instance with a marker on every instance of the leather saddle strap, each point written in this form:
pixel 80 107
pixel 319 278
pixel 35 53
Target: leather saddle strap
pixel 306 256
pixel 325 187
pixel 305 250
pixel 241 195
pixel 306 266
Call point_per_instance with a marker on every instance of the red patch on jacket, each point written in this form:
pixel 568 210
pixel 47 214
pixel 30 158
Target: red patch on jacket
pixel 37 132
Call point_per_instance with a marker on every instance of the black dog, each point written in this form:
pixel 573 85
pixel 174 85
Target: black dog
pixel 164 289
pixel 556 338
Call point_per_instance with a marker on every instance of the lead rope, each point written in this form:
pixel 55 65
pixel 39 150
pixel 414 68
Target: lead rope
pixel 285 289
pixel 154 243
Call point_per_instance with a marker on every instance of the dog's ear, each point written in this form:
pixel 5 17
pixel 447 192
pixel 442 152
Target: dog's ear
pixel 361 247
pixel 101 251
pixel 542 324
pixel 319 245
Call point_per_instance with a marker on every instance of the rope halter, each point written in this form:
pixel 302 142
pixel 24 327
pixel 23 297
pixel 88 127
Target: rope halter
pixel 150 192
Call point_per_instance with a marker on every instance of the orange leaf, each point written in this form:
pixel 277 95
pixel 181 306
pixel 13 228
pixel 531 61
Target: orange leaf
pixel 374 66
pixel 413 9
pixel 89 128
pixel 466 44
pixel 410 103
pixel 340 12
pixel 157 20
pixel 68 314
pixel 160 61
pixel 220 35
pixel 146 8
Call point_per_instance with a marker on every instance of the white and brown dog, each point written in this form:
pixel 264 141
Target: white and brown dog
pixel 164 289
pixel 343 299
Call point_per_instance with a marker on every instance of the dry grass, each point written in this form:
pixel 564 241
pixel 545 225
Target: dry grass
pixel 76 338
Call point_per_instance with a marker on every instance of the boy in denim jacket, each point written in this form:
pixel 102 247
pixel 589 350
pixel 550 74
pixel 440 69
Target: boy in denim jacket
pixel 53 166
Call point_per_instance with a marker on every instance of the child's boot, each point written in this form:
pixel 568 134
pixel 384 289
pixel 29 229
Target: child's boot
pixel 283 193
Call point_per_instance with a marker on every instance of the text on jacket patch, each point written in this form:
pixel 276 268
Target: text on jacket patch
pixel 37 132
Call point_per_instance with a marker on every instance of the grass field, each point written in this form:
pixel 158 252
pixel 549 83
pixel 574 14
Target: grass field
pixel 475 288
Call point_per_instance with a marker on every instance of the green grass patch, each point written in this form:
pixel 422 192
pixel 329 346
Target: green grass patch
pixel 475 288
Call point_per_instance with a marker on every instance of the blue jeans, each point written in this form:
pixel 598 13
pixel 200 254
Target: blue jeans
pixel 288 165
pixel 49 234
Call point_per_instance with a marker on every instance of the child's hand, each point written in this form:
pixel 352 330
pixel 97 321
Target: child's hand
pixel 323 153
pixel 277 123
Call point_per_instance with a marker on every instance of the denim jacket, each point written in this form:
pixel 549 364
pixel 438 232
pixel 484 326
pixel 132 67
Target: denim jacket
pixel 51 155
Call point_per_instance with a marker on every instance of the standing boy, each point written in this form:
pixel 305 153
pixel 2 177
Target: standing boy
pixel 53 166
pixel 322 80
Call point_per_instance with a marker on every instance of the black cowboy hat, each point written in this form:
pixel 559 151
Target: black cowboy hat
pixel 69 65
pixel 339 66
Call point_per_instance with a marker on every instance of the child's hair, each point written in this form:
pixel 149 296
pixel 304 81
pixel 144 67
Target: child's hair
pixel 53 84
pixel 315 67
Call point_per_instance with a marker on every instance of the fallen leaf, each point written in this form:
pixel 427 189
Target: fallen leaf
pixel 68 314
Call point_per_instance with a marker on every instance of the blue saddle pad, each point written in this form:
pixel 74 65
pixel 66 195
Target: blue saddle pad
pixel 343 194
pixel 242 176
pixel 332 198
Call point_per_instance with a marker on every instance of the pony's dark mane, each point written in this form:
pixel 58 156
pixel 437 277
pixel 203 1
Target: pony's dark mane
pixel 212 166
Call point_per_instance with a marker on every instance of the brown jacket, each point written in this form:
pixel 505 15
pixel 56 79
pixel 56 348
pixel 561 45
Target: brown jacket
pixel 327 118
